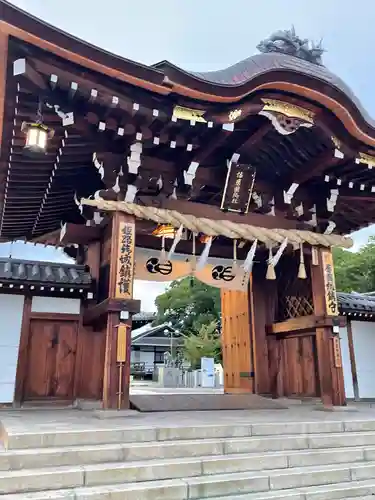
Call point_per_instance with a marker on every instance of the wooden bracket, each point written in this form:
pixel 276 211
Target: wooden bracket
pixel 92 314
pixel 301 324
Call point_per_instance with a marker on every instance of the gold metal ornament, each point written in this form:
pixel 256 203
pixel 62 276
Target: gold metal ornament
pixel 288 109
pixel 189 114
pixel 234 114
pixel 366 159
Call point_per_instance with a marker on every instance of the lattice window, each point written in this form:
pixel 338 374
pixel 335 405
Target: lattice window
pixel 294 295
pixel 295 306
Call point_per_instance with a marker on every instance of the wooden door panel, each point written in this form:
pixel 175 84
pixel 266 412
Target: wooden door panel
pixel 65 359
pixel 40 366
pixel 51 359
pixel 299 367
pixel 236 341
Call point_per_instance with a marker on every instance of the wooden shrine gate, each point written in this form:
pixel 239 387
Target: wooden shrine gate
pixel 236 342
pixel 279 337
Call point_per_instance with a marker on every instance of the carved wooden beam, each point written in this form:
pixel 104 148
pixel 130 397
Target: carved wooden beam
pixel 301 324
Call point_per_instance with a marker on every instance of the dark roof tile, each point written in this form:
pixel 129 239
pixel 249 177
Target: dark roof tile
pixel 356 302
pixel 44 272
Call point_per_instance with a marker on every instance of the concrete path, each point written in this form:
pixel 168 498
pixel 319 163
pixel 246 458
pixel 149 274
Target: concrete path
pixel 39 420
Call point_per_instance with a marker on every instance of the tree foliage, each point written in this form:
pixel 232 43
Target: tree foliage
pixel 206 343
pixel 188 304
pixel 355 271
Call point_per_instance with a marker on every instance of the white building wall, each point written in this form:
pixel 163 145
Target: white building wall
pixel 55 305
pixel 364 350
pixel 348 379
pixel 11 311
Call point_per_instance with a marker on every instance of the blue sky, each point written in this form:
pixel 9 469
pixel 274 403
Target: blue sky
pixel 212 34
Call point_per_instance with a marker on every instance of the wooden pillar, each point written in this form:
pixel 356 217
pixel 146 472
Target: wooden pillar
pixel 23 351
pixel 353 365
pixel 118 328
pixel 93 261
pixel 4 39
pixel 330 372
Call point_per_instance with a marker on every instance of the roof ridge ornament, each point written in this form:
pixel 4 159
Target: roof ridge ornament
pixel 287 42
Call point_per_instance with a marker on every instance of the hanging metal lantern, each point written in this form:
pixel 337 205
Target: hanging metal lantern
pixel 37 136
pixel 166 230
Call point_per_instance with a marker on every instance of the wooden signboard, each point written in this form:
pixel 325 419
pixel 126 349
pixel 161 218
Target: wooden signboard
pixel 238 188
pixel 122 331
pixel 332 308
pixel 125 261
pixel 337 352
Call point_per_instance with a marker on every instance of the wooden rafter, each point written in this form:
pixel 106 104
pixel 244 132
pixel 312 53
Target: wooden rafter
pixel 317 167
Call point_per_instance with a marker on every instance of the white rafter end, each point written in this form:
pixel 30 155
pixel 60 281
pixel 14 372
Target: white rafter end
pixel 19 67
pixel 229 127
pixel 68 119
pixel 339 154
pixel 235 157
pixel 53 79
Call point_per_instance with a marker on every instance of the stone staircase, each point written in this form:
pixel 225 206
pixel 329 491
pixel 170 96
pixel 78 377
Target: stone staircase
pixel 284 461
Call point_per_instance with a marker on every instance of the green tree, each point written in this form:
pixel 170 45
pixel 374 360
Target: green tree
pixel 206 343
pixel 355 271
pixel 188 304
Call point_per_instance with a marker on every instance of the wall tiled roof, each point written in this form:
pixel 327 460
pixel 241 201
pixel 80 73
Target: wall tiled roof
pixel 27 271
pixel 144 316
pixel 356 303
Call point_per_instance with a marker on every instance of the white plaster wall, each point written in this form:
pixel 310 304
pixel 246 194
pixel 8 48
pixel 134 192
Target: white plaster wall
pixel 346 366
pixel 364 349
pixel 11 311
pixel 55 305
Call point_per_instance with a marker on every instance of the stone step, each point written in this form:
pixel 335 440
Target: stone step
pixel 178 490
pixel 209 452
pixel 203 479
pixel 149 446
pixel 361 446
pixel 227 446
pixel 354 490
pixel 137 434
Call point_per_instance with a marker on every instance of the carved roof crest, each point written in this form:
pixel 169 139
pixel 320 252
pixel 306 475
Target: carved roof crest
pixel 287 42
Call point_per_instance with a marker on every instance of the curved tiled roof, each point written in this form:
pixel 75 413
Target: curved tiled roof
pixel 259 64
pixel 227 85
